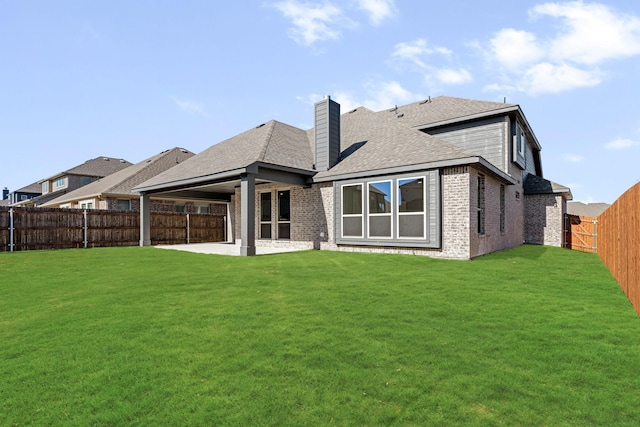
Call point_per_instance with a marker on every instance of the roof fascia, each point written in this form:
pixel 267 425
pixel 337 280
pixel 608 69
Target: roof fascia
pixel 197 181
pixel 422 166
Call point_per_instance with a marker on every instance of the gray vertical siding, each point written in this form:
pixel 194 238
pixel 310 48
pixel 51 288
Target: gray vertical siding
pixel 327 134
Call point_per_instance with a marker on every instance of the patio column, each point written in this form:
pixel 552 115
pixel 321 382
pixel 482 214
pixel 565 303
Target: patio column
pixel 248 214
pixel 145 220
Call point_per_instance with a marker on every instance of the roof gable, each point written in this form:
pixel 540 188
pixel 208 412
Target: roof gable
pixel 123 181
pixel 272 142
pixel 98 167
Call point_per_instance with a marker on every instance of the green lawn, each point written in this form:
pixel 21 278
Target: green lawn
pixel 534 336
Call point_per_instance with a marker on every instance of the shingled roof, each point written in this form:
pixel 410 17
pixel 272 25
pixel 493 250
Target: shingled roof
pixel 121 183
pixel 537 185
pixel 98 167
pixel 371 144
pixel 273 143
pixel 442 109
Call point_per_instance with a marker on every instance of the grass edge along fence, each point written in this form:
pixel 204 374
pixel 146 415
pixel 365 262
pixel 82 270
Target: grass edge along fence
pixel 619 242
pixel 51 228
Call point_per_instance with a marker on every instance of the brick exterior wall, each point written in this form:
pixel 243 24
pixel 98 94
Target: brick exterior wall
pixel 545 219
pixel 313 226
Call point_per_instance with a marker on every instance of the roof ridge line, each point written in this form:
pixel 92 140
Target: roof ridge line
pixel 263 152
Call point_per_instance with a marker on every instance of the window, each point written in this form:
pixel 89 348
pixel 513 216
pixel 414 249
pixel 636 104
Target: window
pixel 502 208
pixel 59 182
pixel 352 210
pixel 181 207
pixel 45 187
pixel 380 209
pixel 265 215
pixel 284 214
pixel 480 201
pixel 522 141
pixel 203 209
pixel 124 205
pixel 86 205
pixel 411 208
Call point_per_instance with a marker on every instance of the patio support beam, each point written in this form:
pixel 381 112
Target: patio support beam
pixel 248 214
pixel 145 220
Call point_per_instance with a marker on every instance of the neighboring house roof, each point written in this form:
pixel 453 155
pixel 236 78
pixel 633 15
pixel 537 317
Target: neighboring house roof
pixel 100 166
pixel 4 202
pixel 122 182
pixel 31 188
pixel 272 143
pixel 586 209
pixel 536 185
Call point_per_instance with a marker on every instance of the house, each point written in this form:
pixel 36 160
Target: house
pixel 115 191
pixel 593 209
pixel 443 177
pixel 24 194
pixel 64 182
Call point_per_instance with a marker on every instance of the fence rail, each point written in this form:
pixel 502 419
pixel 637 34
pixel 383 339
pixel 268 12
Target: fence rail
pixel 619 242
pixel 24 229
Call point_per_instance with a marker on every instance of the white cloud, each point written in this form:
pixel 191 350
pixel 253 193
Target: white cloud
pixel 573 158
pixel 416 52
pixel 378 10
pixel 590 34
pixel 449 76
pixel 375 96
pixel 515 49
pixel 311 23
pixel 190 106
pixel 593 32
pixel 621 144
pixel 550 78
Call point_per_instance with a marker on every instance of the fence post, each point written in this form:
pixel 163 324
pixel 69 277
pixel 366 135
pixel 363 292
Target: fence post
pixel 595 236
pixel 11 230
pixel 85 233
pixel 188 229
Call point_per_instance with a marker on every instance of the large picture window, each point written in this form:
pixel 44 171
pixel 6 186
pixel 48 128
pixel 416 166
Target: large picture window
pixel 411 208
pixel 284 214
pixel 352 210
pixel 265 215
pixel 392 210
pixel 380 209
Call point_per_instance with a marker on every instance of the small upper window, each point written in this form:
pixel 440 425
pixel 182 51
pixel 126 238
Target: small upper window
pixel 60 182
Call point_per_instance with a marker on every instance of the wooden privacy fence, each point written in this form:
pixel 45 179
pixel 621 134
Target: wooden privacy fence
pixel 581 233
pixel 46 228
pixel 619 242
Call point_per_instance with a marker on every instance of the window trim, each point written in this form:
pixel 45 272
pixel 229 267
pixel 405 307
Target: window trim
pixel 360 215
pixel 285 221
pixel 270 222
pixel 431 213
pixel 423 212
pixel 481 204
pixel 369 214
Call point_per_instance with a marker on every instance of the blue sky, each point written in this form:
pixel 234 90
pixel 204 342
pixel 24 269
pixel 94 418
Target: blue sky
pixel 128 79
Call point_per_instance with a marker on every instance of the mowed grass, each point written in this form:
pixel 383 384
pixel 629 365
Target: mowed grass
pixel 534 336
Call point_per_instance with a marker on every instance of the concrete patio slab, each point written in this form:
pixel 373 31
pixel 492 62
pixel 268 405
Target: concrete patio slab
pixel 232 249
